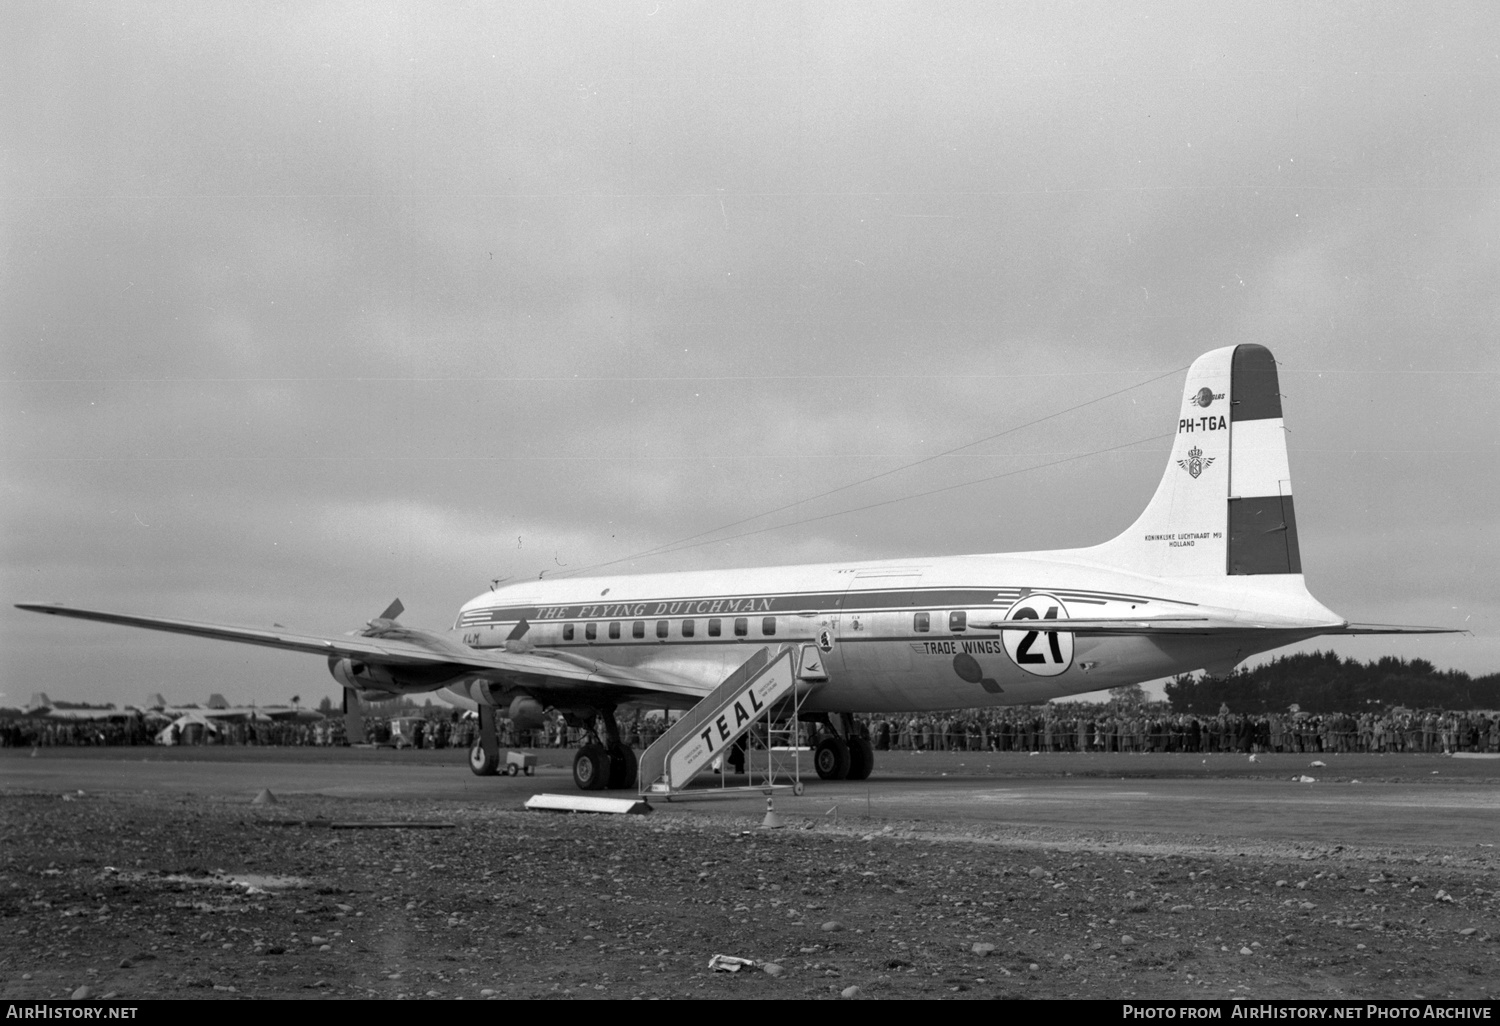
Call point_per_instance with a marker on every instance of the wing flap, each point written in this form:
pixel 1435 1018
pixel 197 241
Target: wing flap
pixel 544 668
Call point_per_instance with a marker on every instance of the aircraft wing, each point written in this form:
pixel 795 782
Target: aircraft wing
pixel 421 650
pixel 79 715
pixel 252 713
pixel 392 653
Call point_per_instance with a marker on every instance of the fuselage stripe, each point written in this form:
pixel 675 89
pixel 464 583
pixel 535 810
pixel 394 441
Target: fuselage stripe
pixel 817 603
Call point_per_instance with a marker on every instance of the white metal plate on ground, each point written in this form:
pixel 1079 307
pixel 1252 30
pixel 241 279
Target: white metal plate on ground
pixel 585 803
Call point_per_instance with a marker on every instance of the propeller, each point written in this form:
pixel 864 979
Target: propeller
pixel 386 619
pixel 354 718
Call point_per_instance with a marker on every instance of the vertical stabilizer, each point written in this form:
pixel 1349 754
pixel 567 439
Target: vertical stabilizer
pixel 1224 505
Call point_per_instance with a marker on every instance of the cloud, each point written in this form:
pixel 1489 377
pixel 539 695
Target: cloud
pixel 307 306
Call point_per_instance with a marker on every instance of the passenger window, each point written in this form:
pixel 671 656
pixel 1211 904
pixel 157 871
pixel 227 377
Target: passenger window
pixel 614 631
pixel 768 625
pixel 687 628
pixel 922 622
pixel 958 621
pixel 638 629
pixel 661 629
pixel 741 626
pixel 567 632
pixel 590 631
pixel 713 627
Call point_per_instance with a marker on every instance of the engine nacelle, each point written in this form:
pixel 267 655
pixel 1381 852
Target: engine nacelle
pixel 358 676
pixel 526 713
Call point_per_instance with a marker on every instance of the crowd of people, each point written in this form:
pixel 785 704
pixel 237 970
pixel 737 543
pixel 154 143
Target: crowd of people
pixel 1056 727
pixel 1083 727
pixel 41 732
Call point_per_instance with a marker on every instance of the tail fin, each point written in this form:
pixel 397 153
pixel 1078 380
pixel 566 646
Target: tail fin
pixel 1224 506
pixel 39 701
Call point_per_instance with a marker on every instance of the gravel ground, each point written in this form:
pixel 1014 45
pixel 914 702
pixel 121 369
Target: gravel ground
pixel 164 896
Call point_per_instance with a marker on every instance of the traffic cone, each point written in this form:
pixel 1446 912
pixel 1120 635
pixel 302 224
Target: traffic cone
pixel 772 821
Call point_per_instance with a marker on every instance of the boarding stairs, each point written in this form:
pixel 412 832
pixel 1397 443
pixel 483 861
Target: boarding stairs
pixel 760 699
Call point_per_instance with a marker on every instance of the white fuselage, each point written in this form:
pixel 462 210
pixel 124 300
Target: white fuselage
pixel 894 635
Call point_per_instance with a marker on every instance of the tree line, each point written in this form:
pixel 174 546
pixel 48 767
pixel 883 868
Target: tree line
pixel 1321 682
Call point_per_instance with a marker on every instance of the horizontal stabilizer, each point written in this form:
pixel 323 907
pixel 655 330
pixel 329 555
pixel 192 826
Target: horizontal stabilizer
pixel 1197 625
pixel 1391 628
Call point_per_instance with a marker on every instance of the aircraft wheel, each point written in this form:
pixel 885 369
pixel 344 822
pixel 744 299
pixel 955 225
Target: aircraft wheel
pixel 482 763
pixel 797 789
pixel 591 768
pixel 831 759
pixel 861 758
pixel 622 767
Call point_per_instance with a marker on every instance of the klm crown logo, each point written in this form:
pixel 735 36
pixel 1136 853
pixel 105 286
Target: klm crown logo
pixel 1195 463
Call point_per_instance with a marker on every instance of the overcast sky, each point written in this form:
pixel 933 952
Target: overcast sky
pixel 307 306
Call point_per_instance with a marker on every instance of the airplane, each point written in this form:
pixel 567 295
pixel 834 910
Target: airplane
pixel 1209 575
pixel 216 708
pixel 43 708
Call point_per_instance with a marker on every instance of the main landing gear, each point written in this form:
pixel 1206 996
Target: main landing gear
pixel 603 764
pixel 844 752
pixel 599 767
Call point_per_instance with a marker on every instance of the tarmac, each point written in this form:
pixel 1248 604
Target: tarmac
pixel 1356 800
